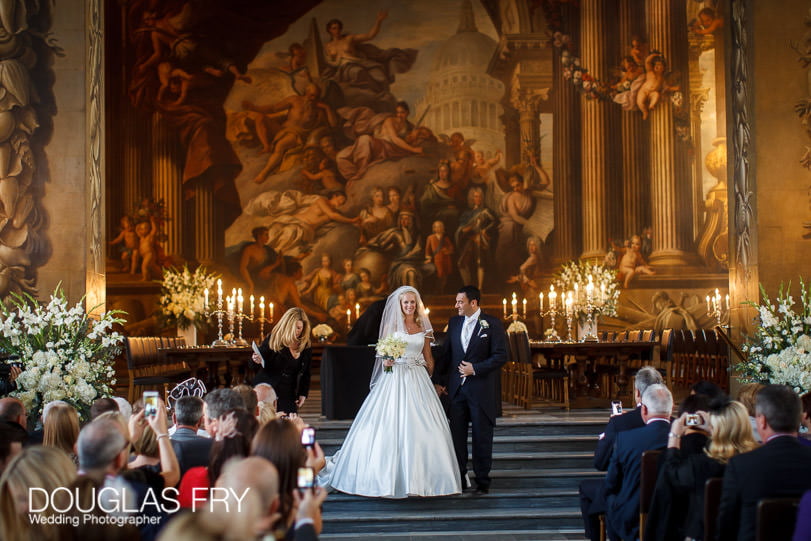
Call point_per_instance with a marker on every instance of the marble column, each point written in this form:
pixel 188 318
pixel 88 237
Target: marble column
pixel 634 130
pixel 566 157
pixel 671 203
pixel 598 119
pixel 167 178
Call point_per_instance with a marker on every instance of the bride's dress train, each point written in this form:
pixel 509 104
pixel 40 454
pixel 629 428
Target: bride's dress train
pixel 399 444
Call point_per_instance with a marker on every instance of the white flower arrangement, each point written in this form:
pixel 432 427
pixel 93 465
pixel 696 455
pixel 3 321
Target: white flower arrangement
pixel 517 326
pixel 606 291
pixel 66 354
pixel 391 347
pixel 322 331
pixel 182 300
pixel 780 349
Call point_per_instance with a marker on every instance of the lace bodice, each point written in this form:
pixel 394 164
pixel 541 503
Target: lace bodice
pixel 414 344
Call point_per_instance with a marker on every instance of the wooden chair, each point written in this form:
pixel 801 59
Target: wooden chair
pixel 712 503
pixel 666 355
pixel 776 518
pixel 145 368
pixel 647 483
pixel 545 382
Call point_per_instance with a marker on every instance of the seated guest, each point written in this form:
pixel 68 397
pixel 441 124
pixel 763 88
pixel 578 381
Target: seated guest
pixel 622 479
pixel 708 389
pixel 746 396
pixel 279 441
pixel 102 405
pixel 235 430
pixel 802 531
pixel 779 468
pixel 267 402
pixel 695 437
pixel 12 437
pixel 592 502
pixel 249 397
pixel 216 403
pixel 35 467
pixel 190 448
pixel 686 472
pixel 61 428
pixel 155 457
pixel 13 411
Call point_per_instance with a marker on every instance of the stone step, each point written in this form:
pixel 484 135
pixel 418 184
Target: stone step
pixel 506 498
pixel 540 478
pixel 508 444
pixel 458 520
pixel 557 534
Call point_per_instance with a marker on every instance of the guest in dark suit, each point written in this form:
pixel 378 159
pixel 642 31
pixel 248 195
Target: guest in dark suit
pixel 473 351
pixel 191 449
pixel 677 509
pixel 622 479
pixel 592 500
pixel 778 469
pixel 286 356
pixel 366 328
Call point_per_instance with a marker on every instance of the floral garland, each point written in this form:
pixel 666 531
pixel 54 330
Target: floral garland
pixel 606 293
pixel 182 301
pixel 780 349
pixel 66 354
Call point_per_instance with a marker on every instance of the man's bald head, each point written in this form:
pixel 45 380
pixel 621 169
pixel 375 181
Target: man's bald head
pixel 12 411
pixel 258 475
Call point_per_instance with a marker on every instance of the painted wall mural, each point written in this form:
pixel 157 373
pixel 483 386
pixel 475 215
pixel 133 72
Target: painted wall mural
pixel 338 153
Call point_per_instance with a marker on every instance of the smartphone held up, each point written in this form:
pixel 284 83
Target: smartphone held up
pixel 305 478
pixel 616 407
pixel 308 436
pixel 150 403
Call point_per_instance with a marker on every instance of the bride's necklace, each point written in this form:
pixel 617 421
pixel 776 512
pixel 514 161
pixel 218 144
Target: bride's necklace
pixel 412 327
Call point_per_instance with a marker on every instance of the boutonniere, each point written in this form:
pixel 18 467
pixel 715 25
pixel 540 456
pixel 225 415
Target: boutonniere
pixel 483 324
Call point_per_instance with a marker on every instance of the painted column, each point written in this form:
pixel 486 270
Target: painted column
pixel 634 130
pixel 167 177
pixel 671 203
pixel 205 237
pixel 598 162
pixel 566 156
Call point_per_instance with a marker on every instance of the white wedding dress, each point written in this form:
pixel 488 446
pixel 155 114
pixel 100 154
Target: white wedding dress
pixel 399 444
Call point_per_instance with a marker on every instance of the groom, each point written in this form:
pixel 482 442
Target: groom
pixel 472 354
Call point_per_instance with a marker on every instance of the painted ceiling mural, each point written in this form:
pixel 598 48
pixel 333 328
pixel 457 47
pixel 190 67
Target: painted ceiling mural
pixel 326 158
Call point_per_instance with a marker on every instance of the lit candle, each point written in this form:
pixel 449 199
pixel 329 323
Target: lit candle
pixel 504 302
pixel 514 303
pixel 241 301
pixel 271 312
pixel 589 291
pixel 251 305
pixel 357 310
pixel 205 294
pixel 219 292
pixel 708 304
pixel 553 298
pixel 427 310
pixel 261 308
pixel 540 303
pixel 524 303
pixel 727 301
pixel 348 317
pixel 569 303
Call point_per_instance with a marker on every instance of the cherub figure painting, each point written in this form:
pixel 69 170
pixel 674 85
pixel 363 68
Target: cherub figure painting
pixel 632 262
pixel 654 86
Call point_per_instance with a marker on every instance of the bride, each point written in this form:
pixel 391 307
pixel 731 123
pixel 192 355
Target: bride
pixel 399 444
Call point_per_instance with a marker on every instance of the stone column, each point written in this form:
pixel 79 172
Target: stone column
pixel 634 130
pixel 512 143
pixel 205 236
pixel 527 102
pixel 568 237
pixel 671 203
pixel 137 174
pixel 167 177
pixel 598 162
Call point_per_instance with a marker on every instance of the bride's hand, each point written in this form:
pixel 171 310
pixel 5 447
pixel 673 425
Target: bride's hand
pixel 388 363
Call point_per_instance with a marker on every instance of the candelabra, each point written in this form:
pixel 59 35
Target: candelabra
pixel 714 307
pixel 514 303
pixel 219 312
pixel 552 313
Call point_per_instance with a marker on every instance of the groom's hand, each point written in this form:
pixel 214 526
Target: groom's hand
pixel 466 369
pixel 440 389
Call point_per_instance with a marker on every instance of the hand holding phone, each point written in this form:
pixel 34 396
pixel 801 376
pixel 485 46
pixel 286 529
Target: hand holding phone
pixel 305 478
pixel 308 436
pixel 616 407
pixel 150 403
pixel 692 419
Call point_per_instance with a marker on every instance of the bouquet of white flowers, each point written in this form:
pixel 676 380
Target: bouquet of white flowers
pixel 322 331
pixel 391 347
pixel 182 300
pixel 574 276
pixel 780 349
pixel 66 354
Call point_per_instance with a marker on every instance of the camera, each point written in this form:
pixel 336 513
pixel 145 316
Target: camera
pixel 692 419
pixel 150 403
pixel 616 407
pixel 306 478
pixel 308 437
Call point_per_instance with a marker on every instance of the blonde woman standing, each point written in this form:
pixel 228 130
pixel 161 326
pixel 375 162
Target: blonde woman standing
pixel 285 359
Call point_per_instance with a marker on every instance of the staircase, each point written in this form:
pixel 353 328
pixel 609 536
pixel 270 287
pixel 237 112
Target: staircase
pixel 539 459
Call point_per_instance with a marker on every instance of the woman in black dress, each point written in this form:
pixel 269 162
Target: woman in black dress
pixel 285 360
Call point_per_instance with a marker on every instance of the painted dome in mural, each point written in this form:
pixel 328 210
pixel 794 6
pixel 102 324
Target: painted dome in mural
pixel 468 47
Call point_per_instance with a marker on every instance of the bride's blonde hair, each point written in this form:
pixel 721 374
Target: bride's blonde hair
pixel 417 318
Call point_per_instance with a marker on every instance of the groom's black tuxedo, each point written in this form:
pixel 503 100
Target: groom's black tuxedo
pixel 475 399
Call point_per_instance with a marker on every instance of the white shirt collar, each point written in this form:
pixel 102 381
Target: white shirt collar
pixel 474 317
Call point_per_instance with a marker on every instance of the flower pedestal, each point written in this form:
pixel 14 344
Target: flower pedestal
pixel 189 334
